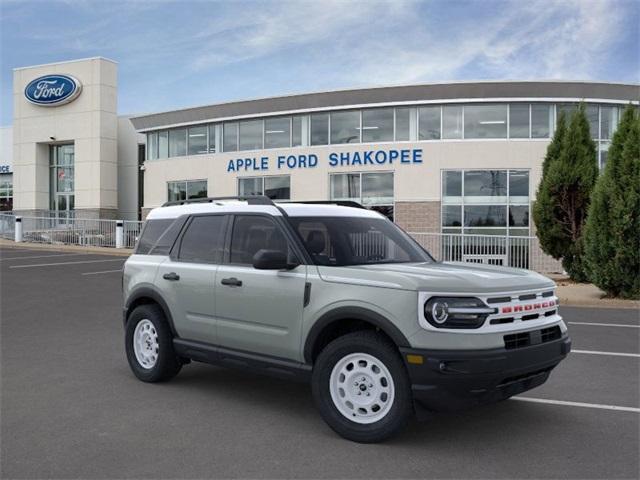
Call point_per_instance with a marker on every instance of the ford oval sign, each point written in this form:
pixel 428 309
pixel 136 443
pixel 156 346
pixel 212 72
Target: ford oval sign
pixel 53 90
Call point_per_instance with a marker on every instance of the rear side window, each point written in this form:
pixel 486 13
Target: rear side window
pixel 203 241
pixel 168 238
pixel 152 231
pixel 252 233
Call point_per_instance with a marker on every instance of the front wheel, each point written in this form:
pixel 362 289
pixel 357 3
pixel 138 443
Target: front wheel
pixel 149 345
pixel 361 387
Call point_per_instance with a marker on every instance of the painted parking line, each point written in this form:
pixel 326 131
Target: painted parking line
pixel 41 256
pixel 68 263
pixel 613 354
pixel 577 404
pixel 604 324
pixel 104 271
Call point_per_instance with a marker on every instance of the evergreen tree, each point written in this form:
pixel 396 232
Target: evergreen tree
pixel 612 232
pixel 564 194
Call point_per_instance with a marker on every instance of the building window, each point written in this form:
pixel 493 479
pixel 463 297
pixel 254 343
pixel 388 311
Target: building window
pixel 403 124
pixel 276 187
pixel 152 146
pixel 374 190
pixel 592 112
pixel 163 144
pixel 186 190
pixel 541 120
pixel 296 131
pixel 277 132
pixel 178 142
pixel 608 122
pixel 6 192
pixel 519 120
pixel 377 125
pixel 251 135
pixel 452 121
pixel 230 137
pixel 485 202
pixel 320 129
pixel 197 140
pixel 429 123
pixel 485 121
pixel 212 138
pixel 345 127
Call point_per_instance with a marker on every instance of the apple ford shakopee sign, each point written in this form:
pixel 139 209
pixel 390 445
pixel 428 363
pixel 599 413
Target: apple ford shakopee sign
pixel 53 90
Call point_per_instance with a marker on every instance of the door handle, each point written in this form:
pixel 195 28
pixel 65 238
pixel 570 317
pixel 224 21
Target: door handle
pixel 232 282
pixel 171 276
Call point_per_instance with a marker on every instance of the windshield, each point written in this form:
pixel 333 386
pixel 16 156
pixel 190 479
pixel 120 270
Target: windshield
pixel 344 241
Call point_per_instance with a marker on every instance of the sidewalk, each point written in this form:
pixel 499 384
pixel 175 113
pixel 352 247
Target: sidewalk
pixel 67 248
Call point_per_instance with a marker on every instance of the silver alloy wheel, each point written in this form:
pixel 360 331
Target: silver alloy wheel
pixel 361 388
pixel 145 344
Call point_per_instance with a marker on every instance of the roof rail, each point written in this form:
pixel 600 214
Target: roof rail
pixel 342 203
pixel 250 199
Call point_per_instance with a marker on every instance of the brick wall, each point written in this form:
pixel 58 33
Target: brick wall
pixel 418 216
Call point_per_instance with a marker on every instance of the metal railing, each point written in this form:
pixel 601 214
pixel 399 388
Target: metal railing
pixel 58 230
pixel 132 229
pixel 519 252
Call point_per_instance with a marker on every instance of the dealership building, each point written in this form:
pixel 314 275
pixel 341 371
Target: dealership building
pixel 460 157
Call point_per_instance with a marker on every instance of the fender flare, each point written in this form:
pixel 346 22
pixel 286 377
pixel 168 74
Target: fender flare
pixel 352 313
pixel 148 292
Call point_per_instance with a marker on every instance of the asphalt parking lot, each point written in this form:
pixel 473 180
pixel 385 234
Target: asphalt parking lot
pixel 70 408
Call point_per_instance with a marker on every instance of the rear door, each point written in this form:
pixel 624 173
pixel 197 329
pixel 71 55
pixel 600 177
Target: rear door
pixel 259 310
pixel 187 278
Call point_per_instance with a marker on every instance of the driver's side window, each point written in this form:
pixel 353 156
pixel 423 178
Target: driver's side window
pixel 252 233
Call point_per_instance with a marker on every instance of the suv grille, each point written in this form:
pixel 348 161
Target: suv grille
pixel 525 339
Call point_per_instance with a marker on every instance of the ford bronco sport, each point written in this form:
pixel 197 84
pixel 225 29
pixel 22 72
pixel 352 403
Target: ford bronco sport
pixel 340 296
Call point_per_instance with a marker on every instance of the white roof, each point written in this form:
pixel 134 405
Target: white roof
pixel 236 206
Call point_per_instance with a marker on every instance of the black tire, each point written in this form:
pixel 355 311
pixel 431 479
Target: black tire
pixel 167 364
pixel 380 347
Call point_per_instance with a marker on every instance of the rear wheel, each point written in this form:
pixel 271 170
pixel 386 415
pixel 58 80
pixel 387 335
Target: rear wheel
pixel 149 345
pixel 361 387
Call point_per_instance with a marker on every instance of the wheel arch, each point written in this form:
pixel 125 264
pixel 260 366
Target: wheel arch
pixel 147 296
pixel 344 320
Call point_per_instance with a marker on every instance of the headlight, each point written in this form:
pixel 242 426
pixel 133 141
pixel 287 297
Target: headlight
pixel 456 312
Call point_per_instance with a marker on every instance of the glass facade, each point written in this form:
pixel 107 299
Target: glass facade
pixel 374 190
pixel 486 202
pixel 382 124
pixel 62 179
pixel 276 187
pixel 6 192
pixel 186 190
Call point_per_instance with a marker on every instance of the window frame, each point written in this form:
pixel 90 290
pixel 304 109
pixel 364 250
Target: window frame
pixel 186 188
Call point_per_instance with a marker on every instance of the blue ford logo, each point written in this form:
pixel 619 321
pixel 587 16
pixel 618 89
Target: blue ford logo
pixel 53 90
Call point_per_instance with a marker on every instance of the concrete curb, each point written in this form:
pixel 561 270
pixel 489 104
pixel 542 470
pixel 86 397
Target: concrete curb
pixel 125 252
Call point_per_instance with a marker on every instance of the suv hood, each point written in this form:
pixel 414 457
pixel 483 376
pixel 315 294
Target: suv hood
pixel 439 277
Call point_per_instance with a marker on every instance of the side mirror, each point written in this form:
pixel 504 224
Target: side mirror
pixel 272 260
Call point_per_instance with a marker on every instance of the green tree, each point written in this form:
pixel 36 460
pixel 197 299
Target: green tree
pixel 612 232
pixel 563 197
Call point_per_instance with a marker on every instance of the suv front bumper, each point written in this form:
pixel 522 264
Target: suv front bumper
pixel 449 380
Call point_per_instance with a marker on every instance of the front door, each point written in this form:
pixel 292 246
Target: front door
pixel 187 279
pixel 259 310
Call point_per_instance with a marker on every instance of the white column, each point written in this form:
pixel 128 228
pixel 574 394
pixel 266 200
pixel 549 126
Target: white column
pixel 18 230
pixel 119 234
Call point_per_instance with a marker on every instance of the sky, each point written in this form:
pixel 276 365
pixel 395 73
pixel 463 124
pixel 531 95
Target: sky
pixel 176 54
